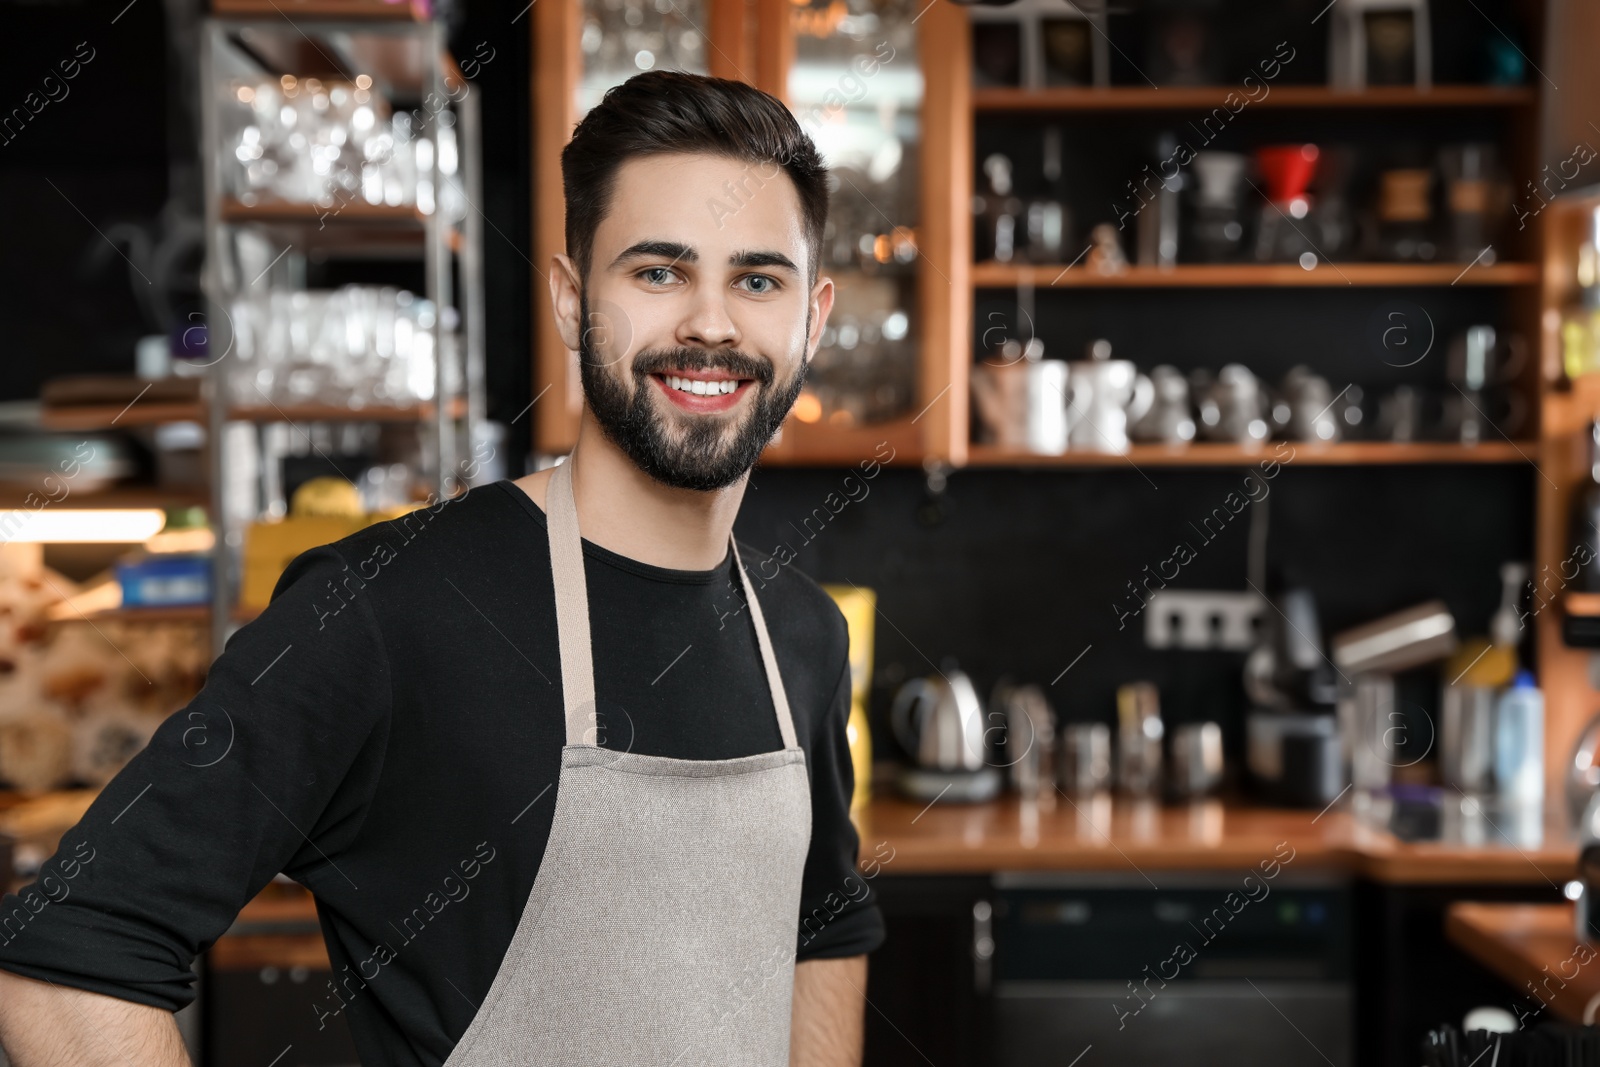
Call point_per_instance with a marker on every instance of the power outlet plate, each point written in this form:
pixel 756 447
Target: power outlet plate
pixel 1203 619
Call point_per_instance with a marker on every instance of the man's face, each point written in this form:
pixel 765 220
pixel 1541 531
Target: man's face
pixel 696 324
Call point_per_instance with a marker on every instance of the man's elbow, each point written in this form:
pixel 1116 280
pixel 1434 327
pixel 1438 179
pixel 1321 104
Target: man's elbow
pixel 44 1024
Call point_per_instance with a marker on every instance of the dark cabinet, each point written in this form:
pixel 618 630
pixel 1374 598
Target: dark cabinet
pixel 925 997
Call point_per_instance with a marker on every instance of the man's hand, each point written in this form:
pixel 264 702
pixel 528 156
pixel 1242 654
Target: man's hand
pixel 47 1025
pixel 830 1003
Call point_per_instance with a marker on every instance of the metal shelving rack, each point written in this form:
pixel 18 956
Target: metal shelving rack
pixel 406 56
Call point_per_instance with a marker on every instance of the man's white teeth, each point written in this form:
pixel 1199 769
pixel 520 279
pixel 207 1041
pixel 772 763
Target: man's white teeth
pixel 700 387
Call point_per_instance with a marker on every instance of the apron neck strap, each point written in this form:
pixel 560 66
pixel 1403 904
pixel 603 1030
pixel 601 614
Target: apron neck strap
pixel 572 617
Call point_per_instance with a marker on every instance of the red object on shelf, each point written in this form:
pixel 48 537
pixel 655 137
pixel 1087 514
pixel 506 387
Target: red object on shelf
pixel 1287 169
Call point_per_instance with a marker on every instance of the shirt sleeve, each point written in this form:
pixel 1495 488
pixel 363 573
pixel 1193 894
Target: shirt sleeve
pixel 838 910
pixel 269 768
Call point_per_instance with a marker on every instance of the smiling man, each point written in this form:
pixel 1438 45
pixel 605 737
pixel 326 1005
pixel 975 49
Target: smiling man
pixel 557 804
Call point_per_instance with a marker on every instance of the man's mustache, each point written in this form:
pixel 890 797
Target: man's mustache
pixel 663 361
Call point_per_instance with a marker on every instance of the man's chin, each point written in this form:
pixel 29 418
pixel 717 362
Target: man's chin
pixel 682 448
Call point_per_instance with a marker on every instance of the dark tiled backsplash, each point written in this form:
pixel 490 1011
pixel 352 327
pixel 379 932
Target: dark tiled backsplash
pixel 1022 571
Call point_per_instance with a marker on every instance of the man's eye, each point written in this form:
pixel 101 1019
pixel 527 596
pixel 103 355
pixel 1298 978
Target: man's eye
pixel 656 275
pixel 760 283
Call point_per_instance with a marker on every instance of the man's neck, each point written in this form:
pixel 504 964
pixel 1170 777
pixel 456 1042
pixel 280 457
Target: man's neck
pixel 625 510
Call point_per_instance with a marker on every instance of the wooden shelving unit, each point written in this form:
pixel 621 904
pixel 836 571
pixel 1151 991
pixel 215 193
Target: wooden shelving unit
pixel 403 49
pixel 1294 453
pixel 1566 411
pixel 755 43
pixel 110 416
pixel 1251 275
pixel 1205 98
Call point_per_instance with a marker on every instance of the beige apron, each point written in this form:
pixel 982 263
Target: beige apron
pixel 661 928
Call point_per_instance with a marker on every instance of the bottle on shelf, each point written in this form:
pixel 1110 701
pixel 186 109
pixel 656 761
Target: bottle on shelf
pixel 1580 323
pixel 1586 521
pixel 1216 219
pixel 1578 593
pixel 1473 678
pixel 1405 215
pixel 1157 234
pixel 1047 219
pixel 996 214
pixel 1519 746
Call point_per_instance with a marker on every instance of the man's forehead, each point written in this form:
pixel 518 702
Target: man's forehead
pixel 712 203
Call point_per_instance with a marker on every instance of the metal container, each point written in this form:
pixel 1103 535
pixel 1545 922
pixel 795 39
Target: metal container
pixel 1466 737
pixel 1397 642
pixel 1085 758
pixel 1139 733
pixel 1030 738
pixel 1367 718
pixel 1196 760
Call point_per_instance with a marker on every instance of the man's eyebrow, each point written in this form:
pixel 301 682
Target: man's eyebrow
pixel 682 253
pixel 762 259
pixel 673 250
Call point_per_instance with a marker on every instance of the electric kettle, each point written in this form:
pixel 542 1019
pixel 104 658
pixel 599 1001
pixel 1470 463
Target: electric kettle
pixel 939 723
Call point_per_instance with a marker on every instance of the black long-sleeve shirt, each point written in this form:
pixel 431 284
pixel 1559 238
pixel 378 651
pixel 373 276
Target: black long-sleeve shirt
pixel 388 733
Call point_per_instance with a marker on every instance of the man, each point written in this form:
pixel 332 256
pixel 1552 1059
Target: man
pixel 560 800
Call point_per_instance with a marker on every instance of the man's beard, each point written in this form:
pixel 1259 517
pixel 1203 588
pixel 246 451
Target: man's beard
pixel 708 453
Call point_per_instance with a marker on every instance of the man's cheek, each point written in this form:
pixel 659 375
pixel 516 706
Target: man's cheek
pixel 609 331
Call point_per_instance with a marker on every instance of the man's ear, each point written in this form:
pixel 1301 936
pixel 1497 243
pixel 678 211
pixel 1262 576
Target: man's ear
pixel 566 299
pixel 821 304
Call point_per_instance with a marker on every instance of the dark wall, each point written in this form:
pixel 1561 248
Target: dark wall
pixel 87 163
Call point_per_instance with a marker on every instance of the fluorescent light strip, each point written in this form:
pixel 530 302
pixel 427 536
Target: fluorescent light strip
pixel 80 525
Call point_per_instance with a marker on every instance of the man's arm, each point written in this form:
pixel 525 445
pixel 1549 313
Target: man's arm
pixel 829 1015
pixel 49 1025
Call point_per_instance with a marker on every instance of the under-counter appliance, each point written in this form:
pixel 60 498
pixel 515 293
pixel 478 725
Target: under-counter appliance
pixel 1081 960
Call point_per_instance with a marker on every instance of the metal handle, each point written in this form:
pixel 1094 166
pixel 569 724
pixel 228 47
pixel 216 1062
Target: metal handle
pixel 982 945
pixel 907 729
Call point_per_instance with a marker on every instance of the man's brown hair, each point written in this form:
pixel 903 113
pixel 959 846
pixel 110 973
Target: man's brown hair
pixel 663 112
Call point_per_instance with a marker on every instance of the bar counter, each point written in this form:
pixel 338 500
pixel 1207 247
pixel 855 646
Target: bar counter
pixel 902 836
pixel 1535 949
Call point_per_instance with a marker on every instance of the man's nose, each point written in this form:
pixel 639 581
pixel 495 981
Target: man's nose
pixel 708 324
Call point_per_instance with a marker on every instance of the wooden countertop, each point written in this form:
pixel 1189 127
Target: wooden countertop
pixel 1120 835
pixel 1534 948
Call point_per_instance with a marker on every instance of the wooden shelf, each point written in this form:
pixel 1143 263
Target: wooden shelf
pixel 352 211
pixel 352 10
pixel 118 416
pixel 1254 275
pixel 1204 98
pixel 115 496
pixel 198 613
pixel 1287 453
pixel 101 416
pixel 341 413
pixel 351 226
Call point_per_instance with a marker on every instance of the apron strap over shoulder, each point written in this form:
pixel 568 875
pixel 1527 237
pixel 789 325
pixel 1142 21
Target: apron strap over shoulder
pixel 572 618
pixel 572 605
pixel 769 660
